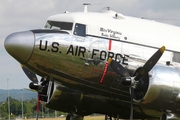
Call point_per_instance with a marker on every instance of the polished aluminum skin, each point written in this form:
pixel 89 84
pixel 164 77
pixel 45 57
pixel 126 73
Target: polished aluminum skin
pixel 163 89
pixel 78 62
pixel 78 57
pixel 20 45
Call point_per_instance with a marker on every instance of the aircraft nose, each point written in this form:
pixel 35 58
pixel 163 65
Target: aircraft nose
pixel 20 45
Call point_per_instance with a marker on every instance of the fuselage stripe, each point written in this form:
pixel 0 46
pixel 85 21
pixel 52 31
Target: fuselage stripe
pixel 106 65
pixel 133 43
pixel 110 44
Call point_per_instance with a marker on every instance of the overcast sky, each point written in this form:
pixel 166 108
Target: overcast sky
pixel 19 15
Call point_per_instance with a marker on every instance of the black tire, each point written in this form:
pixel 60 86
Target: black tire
pixel 68 117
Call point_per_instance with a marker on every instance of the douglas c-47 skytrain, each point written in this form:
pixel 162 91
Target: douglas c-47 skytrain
pixel 102 62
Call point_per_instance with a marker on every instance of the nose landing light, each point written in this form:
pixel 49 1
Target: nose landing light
pixel 20 45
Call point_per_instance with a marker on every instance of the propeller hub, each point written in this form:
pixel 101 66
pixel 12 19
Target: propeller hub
pixel 126 81
pixel 35 86
pixel 129 82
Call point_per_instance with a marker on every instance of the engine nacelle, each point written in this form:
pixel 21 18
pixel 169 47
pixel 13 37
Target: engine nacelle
pixel 170 116
pixel 160 89
pixel 74 101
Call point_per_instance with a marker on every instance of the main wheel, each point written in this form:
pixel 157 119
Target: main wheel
pixel 108 117
pixel 68 117
pixel 163 117
pixel 74 117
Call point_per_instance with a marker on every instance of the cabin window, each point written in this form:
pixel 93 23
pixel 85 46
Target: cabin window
pixel 58 25
pixel 80 30
pixel 176 56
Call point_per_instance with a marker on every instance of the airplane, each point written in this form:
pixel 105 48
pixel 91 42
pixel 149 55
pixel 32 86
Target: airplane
pixel 102 62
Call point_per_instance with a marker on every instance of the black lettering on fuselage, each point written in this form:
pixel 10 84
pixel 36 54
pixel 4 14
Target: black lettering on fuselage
pixel 117 57
pixel 81 50
pixel 45 45
pixel 76 51
pixel 55 47
pixel 70 50
pixel 93 53
pixel 110 55
pixel 103 55
pixel 124 60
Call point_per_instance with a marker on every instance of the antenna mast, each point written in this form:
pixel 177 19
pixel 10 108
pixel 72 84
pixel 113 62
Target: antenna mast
pixel 85 6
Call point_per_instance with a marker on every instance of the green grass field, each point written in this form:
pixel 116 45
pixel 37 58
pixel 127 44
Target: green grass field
pixel 64 118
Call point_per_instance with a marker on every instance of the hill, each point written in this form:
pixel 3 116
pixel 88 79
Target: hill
pixel 17 94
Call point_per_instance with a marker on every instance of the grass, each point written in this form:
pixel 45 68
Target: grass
pixel 64 118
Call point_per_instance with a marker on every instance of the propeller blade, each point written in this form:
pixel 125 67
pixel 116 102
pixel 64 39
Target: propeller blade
pixel 30 75
pixel 150 63
pixel 126 80
pixel 119 69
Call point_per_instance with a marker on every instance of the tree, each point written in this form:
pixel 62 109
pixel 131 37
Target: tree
pixel 29 109
pixel 15 107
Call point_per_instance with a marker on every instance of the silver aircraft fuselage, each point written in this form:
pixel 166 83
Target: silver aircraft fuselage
pixel 78 59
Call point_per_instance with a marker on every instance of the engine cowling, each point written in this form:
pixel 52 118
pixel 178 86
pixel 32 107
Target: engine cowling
pixel 160 89
pixel 170 116
pixel 47 91
pixel 61 98
pixel 76 102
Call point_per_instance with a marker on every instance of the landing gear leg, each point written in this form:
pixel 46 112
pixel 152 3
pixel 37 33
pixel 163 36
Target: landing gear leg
pixel 117 118
pixel 163 117
pixel 108 117
pixel 68 117
pixel 74 117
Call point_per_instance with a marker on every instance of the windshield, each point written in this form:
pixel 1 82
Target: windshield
pixel 58 25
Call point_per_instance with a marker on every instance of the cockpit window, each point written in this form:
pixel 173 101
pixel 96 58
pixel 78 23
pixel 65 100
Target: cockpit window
pixel 58 25
pixel 80 29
